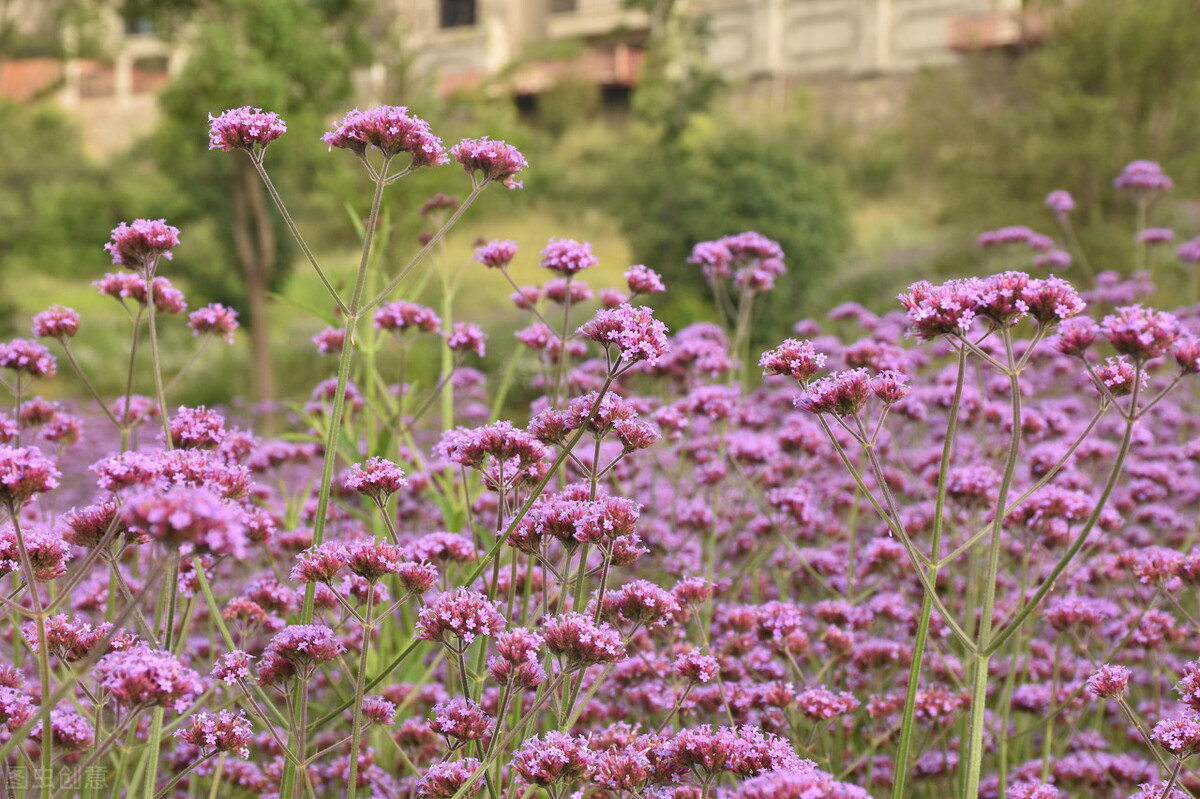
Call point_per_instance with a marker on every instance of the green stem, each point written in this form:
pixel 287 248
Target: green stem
pixel 416 259
pixel 908 724
pixel 360 682
pixel 979 682
pixel 156 362
pixel 295 231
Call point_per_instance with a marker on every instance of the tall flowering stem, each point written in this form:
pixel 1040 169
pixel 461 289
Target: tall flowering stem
pixel 907 726
pixel 42 654
pixel 982 657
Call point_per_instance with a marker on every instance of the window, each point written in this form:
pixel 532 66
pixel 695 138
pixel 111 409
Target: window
pixel 136 18
pixel 458 13
pixel 563 6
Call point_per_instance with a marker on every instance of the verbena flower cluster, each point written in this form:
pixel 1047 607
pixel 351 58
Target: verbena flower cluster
pixel 944 550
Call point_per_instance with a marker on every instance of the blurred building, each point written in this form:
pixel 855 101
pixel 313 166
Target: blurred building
pixel 850 51
pixel 758 45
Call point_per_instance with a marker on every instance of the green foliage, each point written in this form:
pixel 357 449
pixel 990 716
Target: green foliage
pixel 293 57
pixel 722 180
pixel 58 207
pixel 1114 81
pixel 569 101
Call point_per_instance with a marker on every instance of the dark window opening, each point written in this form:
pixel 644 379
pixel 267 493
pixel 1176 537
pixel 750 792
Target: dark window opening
pixel 135 15
pixel 563 6
pixel 458 13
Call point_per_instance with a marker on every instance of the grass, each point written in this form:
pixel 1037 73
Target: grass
pixel 221 374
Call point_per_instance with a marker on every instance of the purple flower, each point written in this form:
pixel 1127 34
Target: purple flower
pixel 445 780
pixel 376 477
pixel 330 340
pixel 401 316
pixel 140 243
pixel 56 322
pixel 696 667
pixel 1060 202
pixel 496 254
pixel 296 652
pixel 563 289
pixel 517 660
pixel 1179 735
pixel 568 257
pixel 28 357
pixel 223 731
pixel 1143 177
pixel 167 298
pixel 796 359
pixel 1052 259
pixel 467 337
pixel 320 564
pixel 462 615
pixel 492 160
pixel 1189 251
pixel 25 471
pixel 890 386
pixel 1141 333
pixel 462 719
pixel 372 559
pixel 232 667
pixel 948 309
pixel 185 516
pixel 841 393
pixel 578 642
pixel 1118 374
pixel 391 130
pixel 244 128
pixel 145 677
pixel 643 280
pixel 1155 235
pixel 214 319
pixel 197 428
pixel 636 333
pixel 555 758
pixel 1033 790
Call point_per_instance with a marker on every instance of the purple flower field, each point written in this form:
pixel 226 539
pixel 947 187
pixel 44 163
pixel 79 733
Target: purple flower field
pixel 946 551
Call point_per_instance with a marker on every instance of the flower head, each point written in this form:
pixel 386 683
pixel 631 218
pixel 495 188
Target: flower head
pixel 467 337
pixel 140 243
pixel 638 336
pixel 486 161
pixel 1110 682
pixel 223 731
pixel 1060 201
pixel 1141 333
pixel 841 393
pixel 446 779
pixel 796 359
pixel 554 758
pixel 143 677
pixel 376 477
pixel 25 471
pixel 1143 177
pixel 214 319
pixel 27 357
pixel 568 257
pixel 244 128
pixel 461 615
pixel 56 322
pixel 392 131
pixel 643 280
pixel 402 316
pixel 496 254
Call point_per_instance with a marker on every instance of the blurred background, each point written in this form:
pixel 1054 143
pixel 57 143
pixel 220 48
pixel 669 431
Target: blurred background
pixel 874 139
